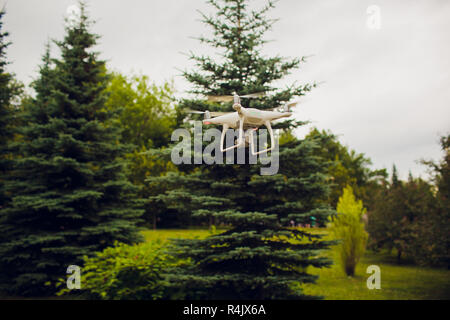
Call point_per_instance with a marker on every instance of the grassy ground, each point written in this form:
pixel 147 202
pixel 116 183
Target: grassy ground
pixel 166 234
pixel 397 281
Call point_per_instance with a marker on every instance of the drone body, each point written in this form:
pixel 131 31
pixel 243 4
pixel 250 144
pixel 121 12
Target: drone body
pixel 247 120
pixel 253 118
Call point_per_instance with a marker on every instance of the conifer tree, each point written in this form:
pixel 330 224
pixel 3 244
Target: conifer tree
pixel 8 89
pixel 259 256
pixel 70 196
pixel 395 181
pixel 5 89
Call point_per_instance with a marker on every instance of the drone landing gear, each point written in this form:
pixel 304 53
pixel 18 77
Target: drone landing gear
pixel 272 140
pixel 241 139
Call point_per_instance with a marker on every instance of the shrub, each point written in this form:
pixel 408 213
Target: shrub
pixel 126 272
pixel 348 227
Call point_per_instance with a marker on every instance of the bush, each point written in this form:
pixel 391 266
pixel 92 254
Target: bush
pixel 126 272
pixel 348 227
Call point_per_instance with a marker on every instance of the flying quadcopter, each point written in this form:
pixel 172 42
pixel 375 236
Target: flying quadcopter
pixel 246 119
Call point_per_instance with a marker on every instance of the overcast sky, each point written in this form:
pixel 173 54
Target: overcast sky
pixel 385 92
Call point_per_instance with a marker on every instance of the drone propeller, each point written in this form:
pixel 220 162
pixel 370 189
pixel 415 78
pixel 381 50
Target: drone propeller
pixel 195 111
pixel 229 98
pixel 208 114
pixel 287 106
pixel 220 98
pixel 212 113
pixel 254 95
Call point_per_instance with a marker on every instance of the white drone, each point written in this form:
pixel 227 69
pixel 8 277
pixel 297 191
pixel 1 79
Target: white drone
pixel 248 119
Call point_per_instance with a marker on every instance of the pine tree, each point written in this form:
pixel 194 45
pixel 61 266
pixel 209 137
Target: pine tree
pixel 8 89
pixel 70 196
pixel 259 257
pixel 5 89
pixel 395 182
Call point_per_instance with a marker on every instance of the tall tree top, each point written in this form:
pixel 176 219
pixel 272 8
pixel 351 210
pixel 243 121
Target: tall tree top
pixel 395 179
pixel 238 31
pixel 78 42
pixel 5 77
pixel 79 64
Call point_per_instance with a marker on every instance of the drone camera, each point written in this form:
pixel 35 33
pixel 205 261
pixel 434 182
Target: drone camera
pixel 237 107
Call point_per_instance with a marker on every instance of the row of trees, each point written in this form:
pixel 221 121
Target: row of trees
pixel 412 217
pixel 67 193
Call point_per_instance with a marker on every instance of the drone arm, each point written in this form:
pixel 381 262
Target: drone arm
pixel 272 140
pixel 241 132
pixel 240 139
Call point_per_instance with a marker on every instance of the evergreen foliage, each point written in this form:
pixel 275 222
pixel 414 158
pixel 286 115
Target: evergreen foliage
pixel 348 227
pixel 259 256
pixel 395 181
pixel 70 197
pixel 5 89
pixel 9 88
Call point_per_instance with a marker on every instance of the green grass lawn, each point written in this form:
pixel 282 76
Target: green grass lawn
pixel 166 234
pixel 397 281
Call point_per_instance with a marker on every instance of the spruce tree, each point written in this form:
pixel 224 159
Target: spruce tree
pixel 70 196
pixel 8 90
pixel 395 181
pixel 259 256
